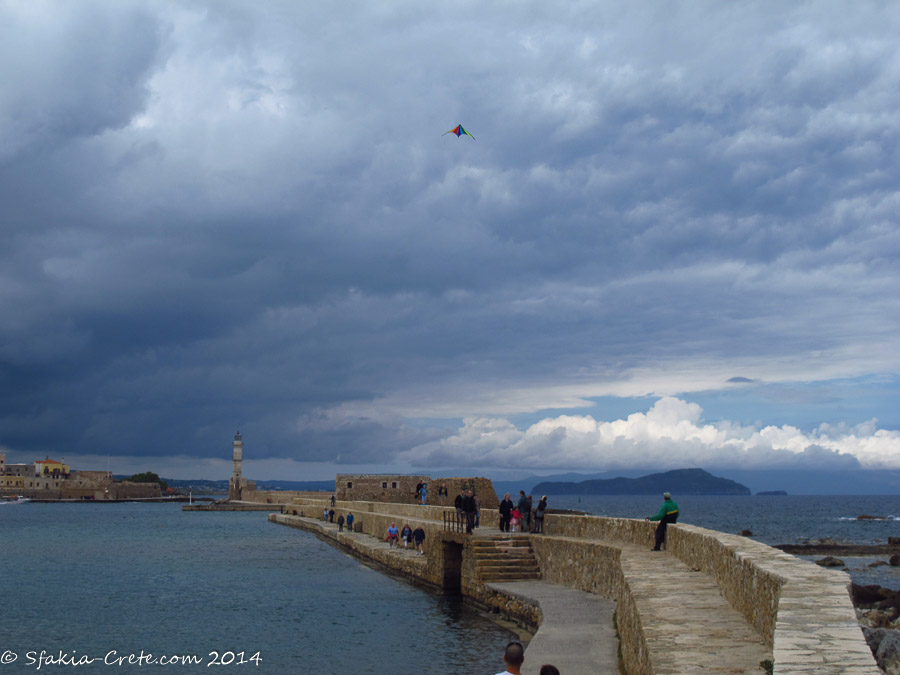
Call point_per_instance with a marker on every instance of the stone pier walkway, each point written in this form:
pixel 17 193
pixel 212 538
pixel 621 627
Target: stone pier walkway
pixel 576 634
pixel 688 626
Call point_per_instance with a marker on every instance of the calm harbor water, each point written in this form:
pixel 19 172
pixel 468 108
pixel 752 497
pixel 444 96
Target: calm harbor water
pixel 87 579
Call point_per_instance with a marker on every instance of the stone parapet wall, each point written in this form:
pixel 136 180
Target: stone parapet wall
pixel 280 496
pixel 368 519
pixel 628 530
pixel 585 565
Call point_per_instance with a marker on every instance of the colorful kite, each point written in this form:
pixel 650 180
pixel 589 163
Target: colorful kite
pixel 459 131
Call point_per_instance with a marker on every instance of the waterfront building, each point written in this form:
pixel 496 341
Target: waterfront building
pixel 50 468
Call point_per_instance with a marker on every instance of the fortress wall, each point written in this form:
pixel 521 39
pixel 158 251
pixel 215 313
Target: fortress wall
pixel 397 489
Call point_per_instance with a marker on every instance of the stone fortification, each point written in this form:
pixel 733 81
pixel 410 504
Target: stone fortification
pixel 391 488
pixel 765 604
pixel 398 489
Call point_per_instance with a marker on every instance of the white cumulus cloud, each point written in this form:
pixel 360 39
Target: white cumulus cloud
pixel 671 434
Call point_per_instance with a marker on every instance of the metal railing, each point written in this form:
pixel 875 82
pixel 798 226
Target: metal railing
pixel 455 522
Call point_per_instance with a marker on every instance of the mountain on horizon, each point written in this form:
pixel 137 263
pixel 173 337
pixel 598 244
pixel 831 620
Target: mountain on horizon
pixel 679 481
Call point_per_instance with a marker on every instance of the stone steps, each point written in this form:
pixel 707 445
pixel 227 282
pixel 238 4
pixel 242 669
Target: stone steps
pixel 501 558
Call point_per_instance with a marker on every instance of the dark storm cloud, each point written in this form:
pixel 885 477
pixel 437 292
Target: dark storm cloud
pixel 227 215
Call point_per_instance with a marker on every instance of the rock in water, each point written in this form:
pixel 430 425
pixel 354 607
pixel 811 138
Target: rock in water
pixel 895 560
pixel 830 561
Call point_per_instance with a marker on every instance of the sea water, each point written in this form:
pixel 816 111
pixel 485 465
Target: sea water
pixel 230 591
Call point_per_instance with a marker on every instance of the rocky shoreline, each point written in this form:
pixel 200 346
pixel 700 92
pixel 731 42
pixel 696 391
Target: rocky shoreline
pixel 835 548
pixel 878 611
pixel 877 608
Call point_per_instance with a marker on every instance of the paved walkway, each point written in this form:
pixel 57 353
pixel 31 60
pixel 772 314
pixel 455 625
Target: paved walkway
pixel 576 633
pixel 688 625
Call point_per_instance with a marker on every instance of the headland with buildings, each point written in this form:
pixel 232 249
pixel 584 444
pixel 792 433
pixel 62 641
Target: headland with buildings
pixel 51 480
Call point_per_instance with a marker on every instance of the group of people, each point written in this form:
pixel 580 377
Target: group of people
pixel 328 517
pixel 407 535
pixel 422 493
pixel 520 516
pixel 468 509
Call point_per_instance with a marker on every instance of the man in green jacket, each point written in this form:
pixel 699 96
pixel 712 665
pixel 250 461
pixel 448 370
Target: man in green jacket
pixel 668 513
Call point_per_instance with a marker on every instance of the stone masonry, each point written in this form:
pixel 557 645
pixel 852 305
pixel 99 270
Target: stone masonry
pixel 401 489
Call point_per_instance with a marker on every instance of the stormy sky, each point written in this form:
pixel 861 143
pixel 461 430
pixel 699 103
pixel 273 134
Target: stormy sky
pixel 674 241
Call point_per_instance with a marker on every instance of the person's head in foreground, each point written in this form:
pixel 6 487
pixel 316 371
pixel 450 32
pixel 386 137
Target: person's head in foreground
pixel 547 669
pixel 514 656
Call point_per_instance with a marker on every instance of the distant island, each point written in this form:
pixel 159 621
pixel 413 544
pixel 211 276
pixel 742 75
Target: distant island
pixel 678 482
pixel 772 493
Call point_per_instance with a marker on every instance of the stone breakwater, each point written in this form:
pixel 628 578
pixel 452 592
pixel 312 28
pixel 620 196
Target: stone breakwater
pixel 713 602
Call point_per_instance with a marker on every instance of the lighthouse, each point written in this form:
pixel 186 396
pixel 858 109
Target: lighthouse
pixel 235 485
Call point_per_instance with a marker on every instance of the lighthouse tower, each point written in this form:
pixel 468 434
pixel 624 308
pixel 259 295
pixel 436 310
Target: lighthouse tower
pixel 236 484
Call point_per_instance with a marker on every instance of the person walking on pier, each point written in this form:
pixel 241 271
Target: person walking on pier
pixel 468 507
pixel 458 503
pixel 340 523
pixel 506 507
pixel 443 493
pixel 514 657
pixel 424 493
pixel 526 514
pixel 392 535
pixel 349 521
pixel 539 516
pixel 668 513
pixel 406 535
pixel 419 537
